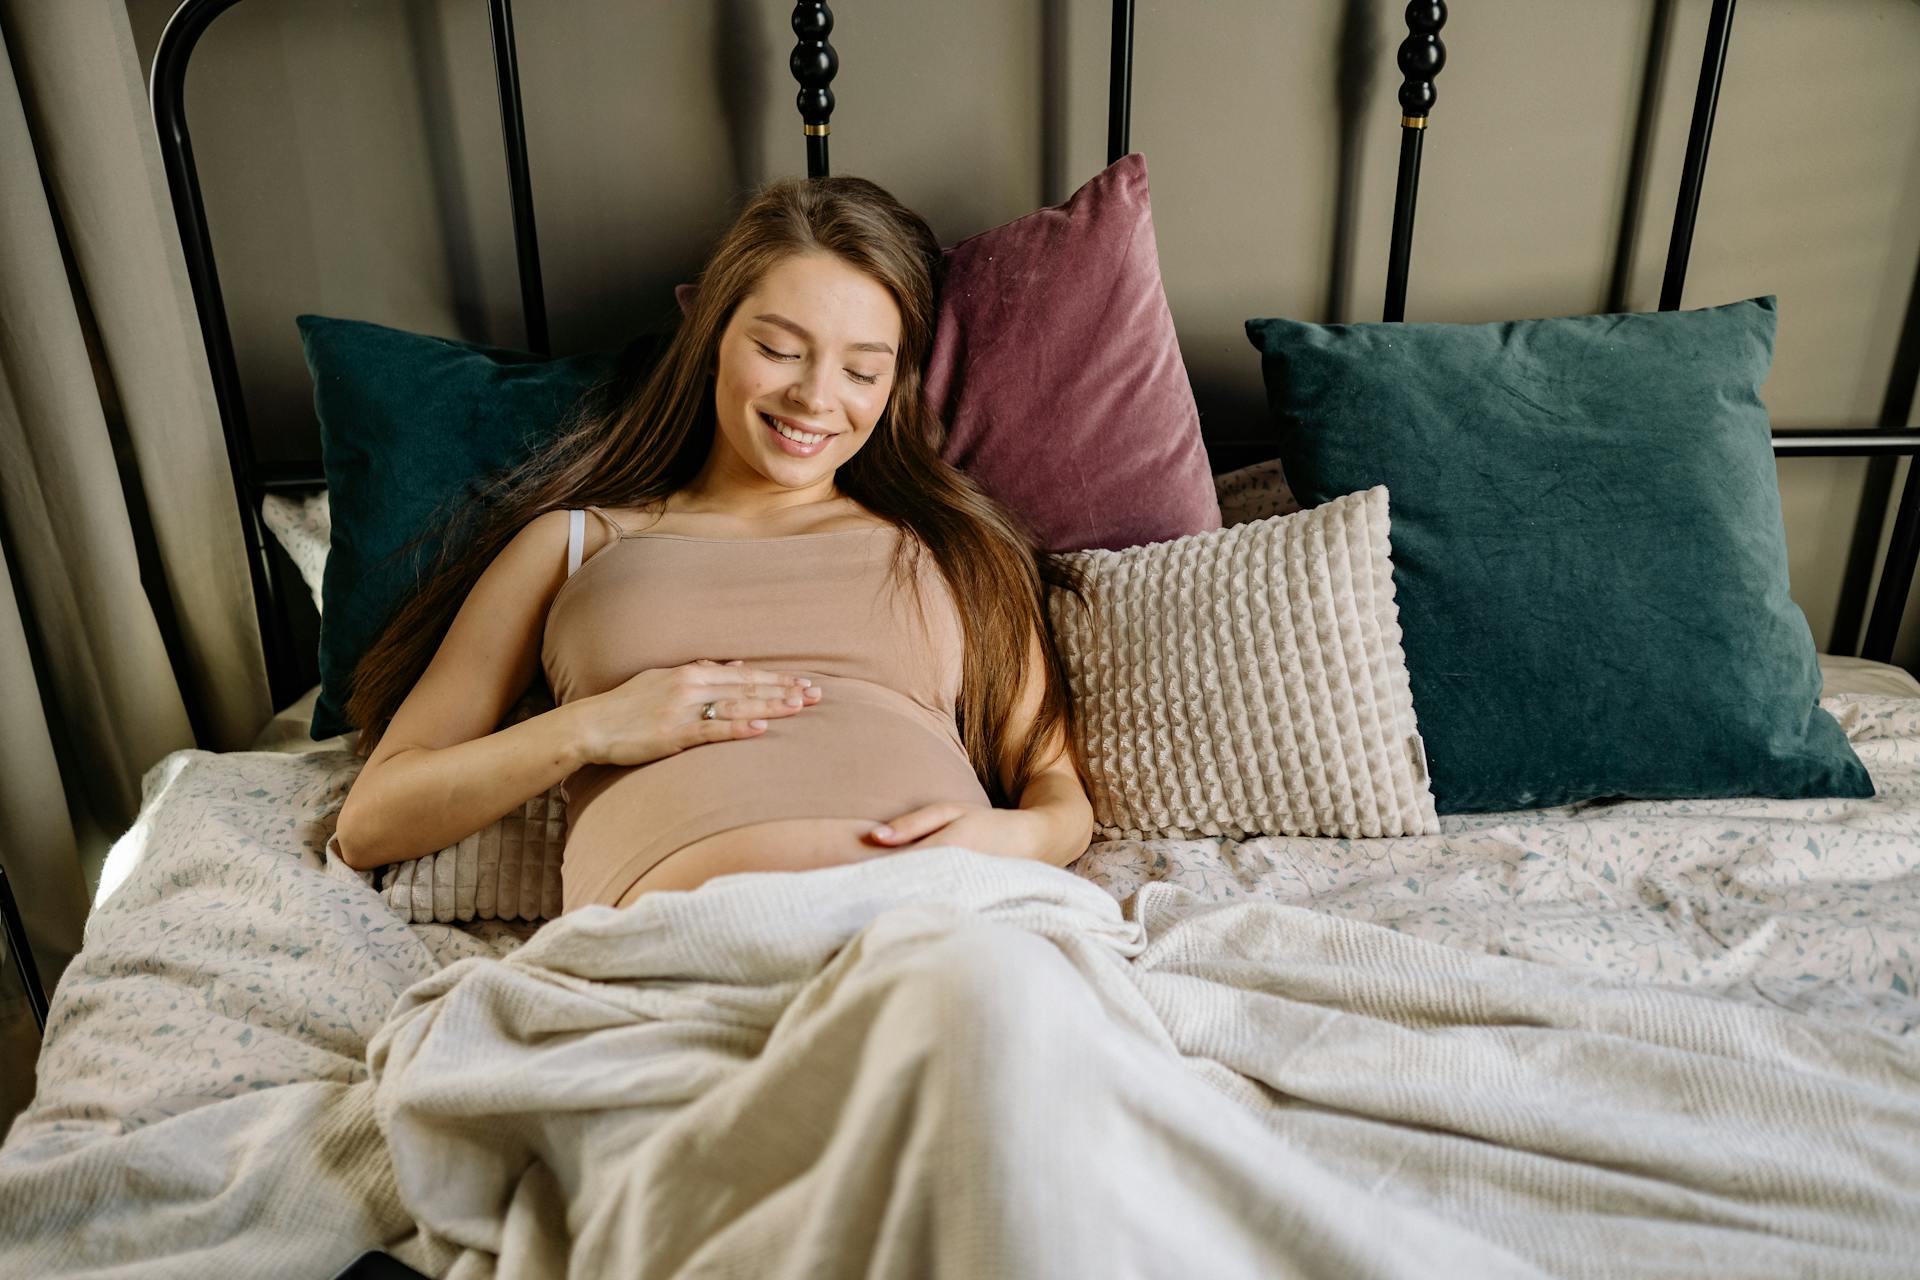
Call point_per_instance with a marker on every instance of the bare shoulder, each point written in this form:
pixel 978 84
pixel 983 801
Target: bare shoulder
pixel 539 549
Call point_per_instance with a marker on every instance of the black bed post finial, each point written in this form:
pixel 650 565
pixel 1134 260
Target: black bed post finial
pixel 1421 58
pixel 814 63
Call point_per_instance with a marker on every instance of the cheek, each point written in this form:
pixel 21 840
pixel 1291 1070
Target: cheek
pixel 741 383
pixel 871 404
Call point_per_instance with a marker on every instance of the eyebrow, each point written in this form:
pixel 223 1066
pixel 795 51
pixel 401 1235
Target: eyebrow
pixel 797 331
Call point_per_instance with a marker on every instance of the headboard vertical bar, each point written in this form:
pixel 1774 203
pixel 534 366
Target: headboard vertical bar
pixel 1421 58
pixel 1896 575
pixel 1903 548
pixel 814 64
pixel 1120 81
pixel 1653 69
pixel 1706 97
pixel 526 241
pixel 285 681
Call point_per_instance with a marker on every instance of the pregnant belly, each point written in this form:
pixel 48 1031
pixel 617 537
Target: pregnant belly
pixel 789 844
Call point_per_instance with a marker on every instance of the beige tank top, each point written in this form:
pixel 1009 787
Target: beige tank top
pixel 881 740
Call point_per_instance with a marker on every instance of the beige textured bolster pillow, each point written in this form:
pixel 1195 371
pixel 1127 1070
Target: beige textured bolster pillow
pixel 1248 681
pixel 507 870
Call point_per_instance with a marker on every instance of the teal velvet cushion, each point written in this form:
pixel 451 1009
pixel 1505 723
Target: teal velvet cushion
pixel 1588 548
pixel 409 424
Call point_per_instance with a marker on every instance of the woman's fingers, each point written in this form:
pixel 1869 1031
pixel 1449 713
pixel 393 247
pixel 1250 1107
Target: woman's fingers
pixel 711 673
pixel 755 708
pixel 917 822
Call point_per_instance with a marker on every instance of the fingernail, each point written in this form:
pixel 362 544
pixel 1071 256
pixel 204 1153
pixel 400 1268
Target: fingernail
pixel 881 832
pixel 758 724
pixel 805 683
pixel 793 699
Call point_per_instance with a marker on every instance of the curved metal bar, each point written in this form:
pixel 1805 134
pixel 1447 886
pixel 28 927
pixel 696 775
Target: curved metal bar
pixel 190 21
pixel 513 127
pixel 1422 57
pixel 1693 173
pixel 814 63
pixel 1120 81
pixel 286 674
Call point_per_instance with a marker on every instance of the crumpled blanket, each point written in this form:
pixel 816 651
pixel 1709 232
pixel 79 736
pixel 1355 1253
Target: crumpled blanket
pixel 941 1063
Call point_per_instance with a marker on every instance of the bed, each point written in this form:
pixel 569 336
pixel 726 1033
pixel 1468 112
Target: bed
pixel 1616 1036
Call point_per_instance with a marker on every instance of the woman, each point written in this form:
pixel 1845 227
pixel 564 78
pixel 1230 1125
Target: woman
pixel 797 638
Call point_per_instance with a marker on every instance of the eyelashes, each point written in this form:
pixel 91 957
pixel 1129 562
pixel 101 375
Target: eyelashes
pixel 865 380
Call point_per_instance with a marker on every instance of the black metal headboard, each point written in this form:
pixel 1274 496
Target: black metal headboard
pixel 1421 57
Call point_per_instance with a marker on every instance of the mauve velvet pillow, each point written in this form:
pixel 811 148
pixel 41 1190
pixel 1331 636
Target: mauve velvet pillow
pixel 1056 370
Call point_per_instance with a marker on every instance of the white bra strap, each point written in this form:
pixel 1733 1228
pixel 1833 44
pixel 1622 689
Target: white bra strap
pixel 576 539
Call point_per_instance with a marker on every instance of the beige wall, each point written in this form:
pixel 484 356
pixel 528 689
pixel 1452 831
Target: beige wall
pixel 352 162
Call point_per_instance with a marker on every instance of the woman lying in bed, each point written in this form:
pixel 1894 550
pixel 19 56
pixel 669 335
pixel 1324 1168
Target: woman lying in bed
pixel 780 632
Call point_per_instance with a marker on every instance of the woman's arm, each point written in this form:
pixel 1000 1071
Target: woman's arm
pixel 1054 820
pixel 1053 795
pixel 440 772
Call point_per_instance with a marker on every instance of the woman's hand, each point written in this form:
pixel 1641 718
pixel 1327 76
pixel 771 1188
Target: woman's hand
pixel 1006 832
pixel 657 713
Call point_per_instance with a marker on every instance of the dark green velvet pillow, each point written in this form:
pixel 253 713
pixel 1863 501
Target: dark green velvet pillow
pixel 409 424
pixel 1589 556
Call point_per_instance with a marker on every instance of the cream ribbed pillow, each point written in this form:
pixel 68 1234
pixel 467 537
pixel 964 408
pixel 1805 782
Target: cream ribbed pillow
pixel 1248 681
pixel 508 870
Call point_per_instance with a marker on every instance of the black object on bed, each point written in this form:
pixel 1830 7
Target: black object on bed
pixel 1420 57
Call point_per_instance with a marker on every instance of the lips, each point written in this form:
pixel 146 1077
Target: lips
pixel 791 447
pixel 797 426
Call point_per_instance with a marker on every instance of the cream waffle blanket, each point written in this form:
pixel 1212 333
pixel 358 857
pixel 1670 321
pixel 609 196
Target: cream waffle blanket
pixel 942 1064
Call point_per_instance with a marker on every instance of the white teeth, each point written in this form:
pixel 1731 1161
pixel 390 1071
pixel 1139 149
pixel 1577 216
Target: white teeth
pixel 800 437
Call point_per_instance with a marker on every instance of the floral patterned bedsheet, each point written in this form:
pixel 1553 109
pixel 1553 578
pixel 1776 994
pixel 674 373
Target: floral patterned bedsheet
pixel 1811 905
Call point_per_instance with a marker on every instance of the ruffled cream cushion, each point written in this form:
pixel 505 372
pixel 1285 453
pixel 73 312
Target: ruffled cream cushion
pixel 1249 681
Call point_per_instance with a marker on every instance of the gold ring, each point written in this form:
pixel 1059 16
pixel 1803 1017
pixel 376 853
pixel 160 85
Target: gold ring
pixel 708 710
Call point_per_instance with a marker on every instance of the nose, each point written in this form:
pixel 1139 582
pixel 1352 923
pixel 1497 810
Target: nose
pixel 809 389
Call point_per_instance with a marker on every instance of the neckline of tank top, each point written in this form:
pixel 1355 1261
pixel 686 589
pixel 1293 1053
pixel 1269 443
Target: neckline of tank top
pixel 684 537
pixel 778 537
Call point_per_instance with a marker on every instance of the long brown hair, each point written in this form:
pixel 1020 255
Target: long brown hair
pixel 632 446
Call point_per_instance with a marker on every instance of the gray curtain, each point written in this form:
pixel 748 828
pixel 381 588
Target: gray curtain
pixel 126 601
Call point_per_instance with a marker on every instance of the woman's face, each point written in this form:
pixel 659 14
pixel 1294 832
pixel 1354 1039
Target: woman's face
pixel 811 349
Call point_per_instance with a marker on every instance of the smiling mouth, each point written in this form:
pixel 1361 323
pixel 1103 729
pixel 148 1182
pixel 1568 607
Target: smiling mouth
pixel 794 433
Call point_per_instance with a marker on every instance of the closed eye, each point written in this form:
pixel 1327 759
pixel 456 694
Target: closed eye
pixel 864 379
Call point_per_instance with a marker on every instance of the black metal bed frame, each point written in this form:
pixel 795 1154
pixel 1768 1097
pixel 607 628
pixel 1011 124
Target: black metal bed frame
pixel 1421 57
